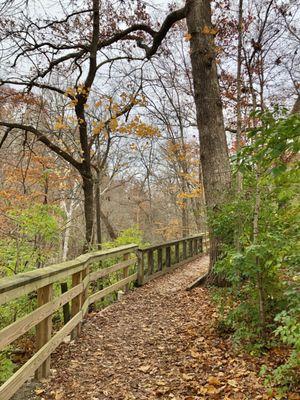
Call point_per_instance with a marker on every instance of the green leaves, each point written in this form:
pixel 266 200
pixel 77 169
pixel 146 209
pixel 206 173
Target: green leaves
pixel 262 270
pixel 35 238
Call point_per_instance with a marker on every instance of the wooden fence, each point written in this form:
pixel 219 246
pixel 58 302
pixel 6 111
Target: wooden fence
pixel 84 277
pixel 161 258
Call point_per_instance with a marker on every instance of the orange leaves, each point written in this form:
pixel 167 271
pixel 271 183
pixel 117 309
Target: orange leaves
pixel 197 192
pixel 209 31
pixel 187 36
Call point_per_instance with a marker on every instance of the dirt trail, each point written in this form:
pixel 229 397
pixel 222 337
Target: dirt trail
pixel 158 342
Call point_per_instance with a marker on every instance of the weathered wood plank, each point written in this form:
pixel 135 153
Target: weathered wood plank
pixel 159 259
pixel 150 266
pixel 21 284
pixel 184 249
pixel 169 243
pixel 141 268
pixel 76 302
pixel 177 259
pixel 190 252
pixel 23 325
pixel 116 267
pixel 10 387
pixel 168 257
pixel 112 288
pixel 125 273
pixel 44 329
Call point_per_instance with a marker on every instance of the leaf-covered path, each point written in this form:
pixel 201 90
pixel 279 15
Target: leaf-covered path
pixel 159 341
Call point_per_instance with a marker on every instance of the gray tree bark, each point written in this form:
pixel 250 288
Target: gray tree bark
pixel 213 146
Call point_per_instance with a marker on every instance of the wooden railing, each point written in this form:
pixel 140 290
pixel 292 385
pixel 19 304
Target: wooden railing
pixel 84 275
pixel 42 281
pixel 161 258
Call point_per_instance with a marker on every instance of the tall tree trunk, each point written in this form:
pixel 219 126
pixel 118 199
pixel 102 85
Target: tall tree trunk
pixel 88 191
pixel 98 211
pixel 213 146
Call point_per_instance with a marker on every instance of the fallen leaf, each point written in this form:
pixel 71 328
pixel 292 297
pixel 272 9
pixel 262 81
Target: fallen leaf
pixel 59 395
pixel 187 377
pixel 39 391
pixel 212 380
pixel 232 382
pixel 144 368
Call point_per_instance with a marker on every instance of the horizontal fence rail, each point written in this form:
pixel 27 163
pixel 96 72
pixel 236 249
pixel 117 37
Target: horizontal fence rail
pixel 159 259
pixel 89 281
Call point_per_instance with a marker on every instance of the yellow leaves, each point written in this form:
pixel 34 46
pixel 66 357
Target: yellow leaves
pixel 113 124
pixel 98 127
pixel 144 130
pixel 209 31
pixel 187 36
pixel 70 92
pixel 83 90
pixel 139 128
pixel 59 124
pixel 75 91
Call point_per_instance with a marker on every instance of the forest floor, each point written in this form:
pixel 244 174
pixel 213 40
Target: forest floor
pixel 158 342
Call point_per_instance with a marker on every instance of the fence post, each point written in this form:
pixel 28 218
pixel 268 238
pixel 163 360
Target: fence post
pixel 184 249
pixel 125 272
pixel 150 262
pixel 168 257
pixel 76 303
pixel 190 247
pixel 201 244
pixel 44 329
pixel 195 246
pixel 85 293
pixel 159 259
pixel 177 253
pixel 140 267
